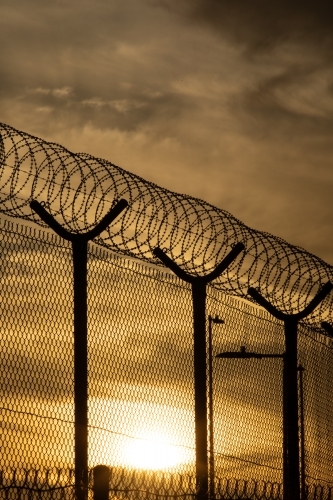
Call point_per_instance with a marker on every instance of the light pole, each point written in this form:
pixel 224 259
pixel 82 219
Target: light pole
pixel 243 354
pixel 216 321
pixel 301 369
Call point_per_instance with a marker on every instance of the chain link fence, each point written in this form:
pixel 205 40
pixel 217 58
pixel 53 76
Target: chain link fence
pixel 140 359
pixel 143 362
pixel 58 484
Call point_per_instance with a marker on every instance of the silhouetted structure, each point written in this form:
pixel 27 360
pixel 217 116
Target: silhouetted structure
pixel 198 285
pixel 80 315
pixel 78 189
pixel 292 485
pixel 140 355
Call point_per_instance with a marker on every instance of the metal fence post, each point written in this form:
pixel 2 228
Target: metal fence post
pixel 199 284
pixel 101 478
pixel 291 454
pixel 300 369
pixel 80 249
pixel 211 321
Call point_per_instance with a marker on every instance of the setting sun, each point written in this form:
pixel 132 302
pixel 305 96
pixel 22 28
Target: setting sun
pixel 153 451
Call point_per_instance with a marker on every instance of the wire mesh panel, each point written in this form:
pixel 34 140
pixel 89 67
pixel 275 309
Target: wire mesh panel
pixel 141 402
pixel 247 393
pixel 140 367
pixel 316 356
pixel 36 355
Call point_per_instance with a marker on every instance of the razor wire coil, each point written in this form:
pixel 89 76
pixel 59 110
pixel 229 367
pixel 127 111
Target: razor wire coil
pixel 79 189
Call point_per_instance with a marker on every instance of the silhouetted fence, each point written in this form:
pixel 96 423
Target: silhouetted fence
pixel 58 484
pixel 140 332
pixel 141 368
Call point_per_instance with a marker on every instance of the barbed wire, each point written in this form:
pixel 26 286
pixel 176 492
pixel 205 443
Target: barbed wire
pixel 139 484
pixel 79 189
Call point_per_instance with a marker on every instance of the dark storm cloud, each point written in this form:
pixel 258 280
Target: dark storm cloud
pixel 120 111
pixel 102 66
pixel 120 64
pixel 279 101
pixel 261 25
pixel 296 38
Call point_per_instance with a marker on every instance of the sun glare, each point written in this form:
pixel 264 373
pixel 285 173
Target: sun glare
pixel 153 451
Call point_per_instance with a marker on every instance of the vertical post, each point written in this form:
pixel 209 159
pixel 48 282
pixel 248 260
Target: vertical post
pixel 285 466
pixel 80 248
pixel 290 391
pixel 200 363
pixel 80 258
pixel 218 321
pixel 200 389
pixel 302 430
pixel 211 412
pixel 101 479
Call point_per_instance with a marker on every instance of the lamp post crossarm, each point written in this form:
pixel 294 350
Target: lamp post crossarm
pixel 243 354
pixel 89 235
pixel 216 320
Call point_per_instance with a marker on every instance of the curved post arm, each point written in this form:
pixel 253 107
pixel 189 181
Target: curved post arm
pixel 172 265
pixel 183 275
pixel 325 290
pixel 89 235
pixel 222 266
pixel 328 327
pixel 50 221
pixel 265 304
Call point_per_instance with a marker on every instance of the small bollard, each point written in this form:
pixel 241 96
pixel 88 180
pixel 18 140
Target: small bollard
pixel 101 476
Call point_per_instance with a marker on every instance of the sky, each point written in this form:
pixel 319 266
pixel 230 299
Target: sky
pixel 227 101
pixel 230 102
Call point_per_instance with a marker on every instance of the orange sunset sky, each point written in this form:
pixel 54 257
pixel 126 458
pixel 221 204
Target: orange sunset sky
pixel 231 102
